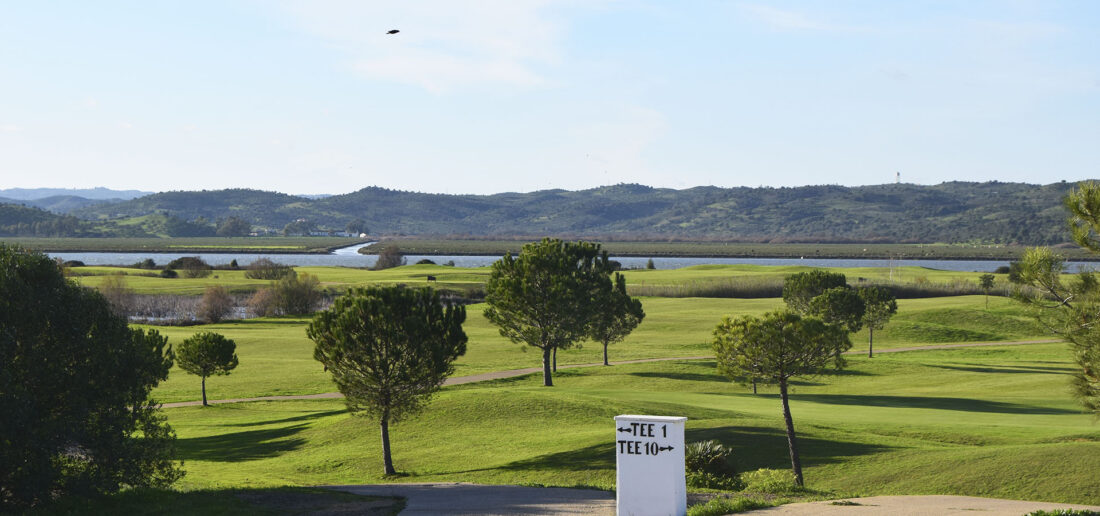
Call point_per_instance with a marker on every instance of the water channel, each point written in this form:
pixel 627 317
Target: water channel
pixel 350 257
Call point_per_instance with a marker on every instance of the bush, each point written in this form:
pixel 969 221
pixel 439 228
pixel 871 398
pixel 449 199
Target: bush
pixel 773 481
pixel 169 273
pixel 117 294
pixel 264 303
pixel 147 263
pixel 425 261
pixel 298 294
pixel 216 304
pixel 192 266
pixel 709 457
pixel 389 257
pixel 268 270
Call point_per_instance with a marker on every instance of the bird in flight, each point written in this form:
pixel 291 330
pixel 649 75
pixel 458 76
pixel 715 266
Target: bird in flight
pixel 394 31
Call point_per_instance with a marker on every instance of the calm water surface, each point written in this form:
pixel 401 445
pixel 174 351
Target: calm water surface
pixel 350 257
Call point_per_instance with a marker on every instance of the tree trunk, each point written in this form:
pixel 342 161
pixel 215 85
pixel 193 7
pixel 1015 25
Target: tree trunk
pixel 605 354
pixel 547 381
pixel 387 459
pixel 204 392
pixel 754 385
pixel 555 366
pixel 792 442
pixel 870 342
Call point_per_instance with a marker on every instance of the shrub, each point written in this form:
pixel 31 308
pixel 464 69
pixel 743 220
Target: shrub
pixel 264 303
pixel 268 270
pixel 169 273
pixel 298 294
pixel 117 294
pixel 773 481
pixel 147 263
pixel 425 261
pixel 72 263
pixel 389 257
pixel 216 304
pixel 709 457
pixel 192 266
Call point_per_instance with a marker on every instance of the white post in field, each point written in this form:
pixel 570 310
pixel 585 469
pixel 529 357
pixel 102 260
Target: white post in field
pixel 649 465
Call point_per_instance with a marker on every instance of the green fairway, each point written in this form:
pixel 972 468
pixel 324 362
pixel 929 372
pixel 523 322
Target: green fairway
pixel 276 357
pixel 985 422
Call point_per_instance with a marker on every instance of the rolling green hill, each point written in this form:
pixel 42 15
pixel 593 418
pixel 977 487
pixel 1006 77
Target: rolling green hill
pixel 950 212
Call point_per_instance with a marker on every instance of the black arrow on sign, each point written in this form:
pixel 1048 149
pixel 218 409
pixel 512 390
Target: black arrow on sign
pixel 625 430
pixel 662 448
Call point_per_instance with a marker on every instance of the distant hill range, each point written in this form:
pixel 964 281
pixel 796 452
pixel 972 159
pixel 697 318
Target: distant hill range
pixel 949 212
pixel 99 193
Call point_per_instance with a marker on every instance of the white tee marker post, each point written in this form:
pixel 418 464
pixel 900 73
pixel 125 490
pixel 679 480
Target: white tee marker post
pixel 649 465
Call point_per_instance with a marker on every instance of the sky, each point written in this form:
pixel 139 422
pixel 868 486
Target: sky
pixel 311 97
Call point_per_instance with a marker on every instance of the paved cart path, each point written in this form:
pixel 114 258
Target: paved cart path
pixel 512 373
pixel 458 498
pixel 916 506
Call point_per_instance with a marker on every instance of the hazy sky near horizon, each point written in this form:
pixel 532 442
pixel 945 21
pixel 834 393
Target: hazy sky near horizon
pixel 521 95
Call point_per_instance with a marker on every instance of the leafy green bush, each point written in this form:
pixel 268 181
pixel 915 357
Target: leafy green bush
pixel 710 465
pixel 192 266
pixel 709 457
pixel 169 273
pixel 775 481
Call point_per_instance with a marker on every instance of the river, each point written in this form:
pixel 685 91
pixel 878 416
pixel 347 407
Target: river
pixel 350 257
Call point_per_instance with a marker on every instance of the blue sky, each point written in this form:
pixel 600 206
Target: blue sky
pixel 522 95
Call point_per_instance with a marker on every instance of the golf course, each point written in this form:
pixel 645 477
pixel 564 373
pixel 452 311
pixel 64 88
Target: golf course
pixel 988 420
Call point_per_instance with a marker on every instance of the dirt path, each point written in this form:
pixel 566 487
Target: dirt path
pixel 512 373
pixel 915 506
pixel 462 498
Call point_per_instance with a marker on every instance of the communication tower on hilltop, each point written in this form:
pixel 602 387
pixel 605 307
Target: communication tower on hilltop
pixel 897 178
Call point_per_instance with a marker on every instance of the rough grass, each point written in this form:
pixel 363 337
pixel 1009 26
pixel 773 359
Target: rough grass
pixel 981 422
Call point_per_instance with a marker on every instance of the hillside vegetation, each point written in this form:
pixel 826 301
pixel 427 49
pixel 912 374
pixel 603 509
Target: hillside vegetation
pixel 991 212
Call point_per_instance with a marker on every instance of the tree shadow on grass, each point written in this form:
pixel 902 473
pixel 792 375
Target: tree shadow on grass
pixel 694 377
pixel 1007 369
pixel 959 404
pixel 599 456
pixel 758 447
pixel 305 417
pixel 242 446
